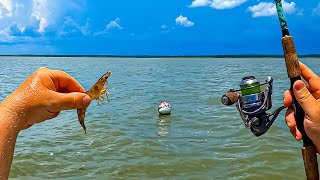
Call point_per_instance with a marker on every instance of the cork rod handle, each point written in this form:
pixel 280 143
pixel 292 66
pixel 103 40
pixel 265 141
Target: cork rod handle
pixel 291 58
pixel 309 155
pixel 309 152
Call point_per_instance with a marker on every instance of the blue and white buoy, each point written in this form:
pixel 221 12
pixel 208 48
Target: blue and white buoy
pixel 164 108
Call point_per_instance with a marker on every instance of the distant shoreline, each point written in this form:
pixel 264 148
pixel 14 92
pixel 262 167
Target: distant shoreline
pixel 173 56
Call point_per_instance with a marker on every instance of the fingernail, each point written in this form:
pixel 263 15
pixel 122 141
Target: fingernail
pixel 86 100
pixel 288 124
pixel 299 86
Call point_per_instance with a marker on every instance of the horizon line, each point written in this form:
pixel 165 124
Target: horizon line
pixel 157 56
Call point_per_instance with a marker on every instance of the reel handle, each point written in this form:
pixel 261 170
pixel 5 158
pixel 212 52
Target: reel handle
pixel 230 98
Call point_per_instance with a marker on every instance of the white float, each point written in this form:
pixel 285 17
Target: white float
pixel 164 108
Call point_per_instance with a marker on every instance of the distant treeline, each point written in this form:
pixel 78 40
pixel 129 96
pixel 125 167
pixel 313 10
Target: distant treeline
pixel 155 56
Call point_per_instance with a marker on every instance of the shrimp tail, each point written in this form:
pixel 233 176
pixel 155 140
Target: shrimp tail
pixel 81 115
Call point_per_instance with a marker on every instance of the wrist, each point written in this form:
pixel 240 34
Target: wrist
pixel 10 120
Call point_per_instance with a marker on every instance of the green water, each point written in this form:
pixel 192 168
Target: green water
pixel 126 139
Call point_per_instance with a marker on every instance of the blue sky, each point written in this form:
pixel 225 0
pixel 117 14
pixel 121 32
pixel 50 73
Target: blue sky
pixel 155 27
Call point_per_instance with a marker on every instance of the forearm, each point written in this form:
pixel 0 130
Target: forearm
pixel 8 135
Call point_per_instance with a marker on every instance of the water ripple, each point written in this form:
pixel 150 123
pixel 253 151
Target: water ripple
pixel 126 138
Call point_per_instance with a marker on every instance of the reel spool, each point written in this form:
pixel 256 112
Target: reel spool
pixel 252 101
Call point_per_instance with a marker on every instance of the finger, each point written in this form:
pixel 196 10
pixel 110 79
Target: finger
pixel 55 115
pixel 298 134
pixel 287 100
pixel 305 99
pixel 314 84
pixel 316 94
pixel 307 73
pixel 290 121
pixel 66 101
pixel 64 82
pixel 312 78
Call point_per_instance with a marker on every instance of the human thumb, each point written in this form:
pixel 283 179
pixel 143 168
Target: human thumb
pixel 66 101
pixel 305 98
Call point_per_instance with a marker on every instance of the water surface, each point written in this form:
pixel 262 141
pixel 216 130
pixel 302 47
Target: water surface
pixel 126 139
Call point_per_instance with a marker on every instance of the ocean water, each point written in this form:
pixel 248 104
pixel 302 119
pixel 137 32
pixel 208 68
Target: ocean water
pixel 126 139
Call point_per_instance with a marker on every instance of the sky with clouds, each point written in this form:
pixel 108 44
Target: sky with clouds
pixel 155 27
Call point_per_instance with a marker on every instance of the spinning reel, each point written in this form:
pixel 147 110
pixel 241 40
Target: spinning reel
pixel 252 101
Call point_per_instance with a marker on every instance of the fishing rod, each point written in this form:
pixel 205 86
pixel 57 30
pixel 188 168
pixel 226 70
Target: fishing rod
pixel 309 151
pixel 254 99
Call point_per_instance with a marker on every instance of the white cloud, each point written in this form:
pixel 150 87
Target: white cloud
pixel 40 11
pixel 5 36
pixel 111 25
pixel 183 21
pixel 35 18
pixel 5 8
pixel 74 27
pixel 34 14
pixel 316 10
pixel 164 27
pixel 42 25
pixel 269 9
pixel 226 4
pixel 199 3
pixel 114 24
pixel 218 4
